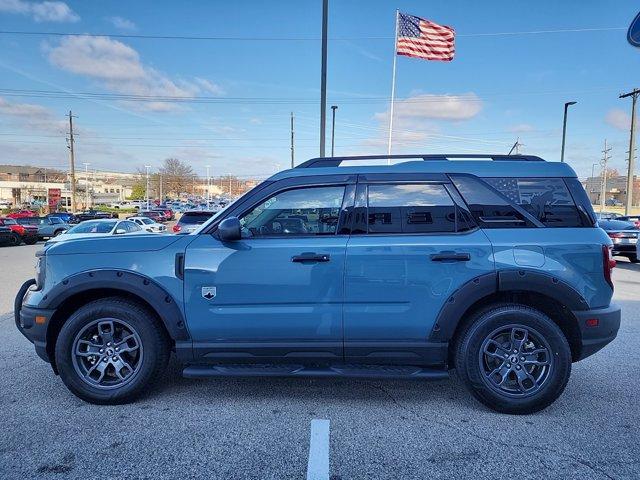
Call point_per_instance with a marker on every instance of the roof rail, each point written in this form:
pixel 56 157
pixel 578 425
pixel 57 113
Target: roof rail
pixel 336 161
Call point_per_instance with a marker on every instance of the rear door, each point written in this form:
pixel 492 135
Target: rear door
pixel 412 245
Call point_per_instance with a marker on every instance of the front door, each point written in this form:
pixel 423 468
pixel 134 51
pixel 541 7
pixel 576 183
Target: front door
pixel 411 248
pixel 276 294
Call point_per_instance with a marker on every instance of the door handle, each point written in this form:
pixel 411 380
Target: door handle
pixel 311 257
pixel 450 257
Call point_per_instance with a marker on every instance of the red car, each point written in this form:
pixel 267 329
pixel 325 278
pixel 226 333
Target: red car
pixel 27 233
pixel 22 214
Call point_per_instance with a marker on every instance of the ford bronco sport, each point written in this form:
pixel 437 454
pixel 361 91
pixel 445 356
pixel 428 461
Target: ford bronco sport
pixel 487 264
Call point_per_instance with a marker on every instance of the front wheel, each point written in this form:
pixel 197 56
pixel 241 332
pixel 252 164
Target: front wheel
pixel 111 350
pixel 31 241
pixel 513 358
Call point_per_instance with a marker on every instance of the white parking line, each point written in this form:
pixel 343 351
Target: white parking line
pixel 318 466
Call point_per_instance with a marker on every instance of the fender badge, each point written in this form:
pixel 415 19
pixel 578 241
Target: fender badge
pixel 209 292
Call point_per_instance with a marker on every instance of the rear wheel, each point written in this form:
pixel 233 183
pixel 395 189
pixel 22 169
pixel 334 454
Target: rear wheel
pixel 513 358
pixel 31 241
pixel 634 258
pixel 15 240
pixel 111 351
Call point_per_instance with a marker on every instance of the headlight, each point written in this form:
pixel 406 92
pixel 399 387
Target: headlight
pixel 40 269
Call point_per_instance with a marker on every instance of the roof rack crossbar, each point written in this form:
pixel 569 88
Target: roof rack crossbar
pixel 336 161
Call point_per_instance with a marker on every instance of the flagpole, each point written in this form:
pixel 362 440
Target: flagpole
pixel 393 87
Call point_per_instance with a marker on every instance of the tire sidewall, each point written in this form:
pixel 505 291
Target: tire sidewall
pixel 469 366
pixel 131 314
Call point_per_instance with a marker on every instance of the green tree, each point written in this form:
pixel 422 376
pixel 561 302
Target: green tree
pixel 138 192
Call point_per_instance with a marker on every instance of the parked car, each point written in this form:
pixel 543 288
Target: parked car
pixel 149 224
pixel 403 270
pixel 66 217
pixel 635 219
pixel 94 215
pixel 624 236
pixel 47 226
pixel 168 212
pixel 22 214
pixel 7 237
pixel 190 221
pixel 25 233
pixel 152 214
pixel 98 228
pixel 125 205
pixel 608 215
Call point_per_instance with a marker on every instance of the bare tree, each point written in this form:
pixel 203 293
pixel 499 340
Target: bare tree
pixel 177 176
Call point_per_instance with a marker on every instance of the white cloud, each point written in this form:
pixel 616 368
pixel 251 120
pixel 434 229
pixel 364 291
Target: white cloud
pixel 618 119
pixel 31 116
pixel 119 68
pixel 208 86
pixel 50 11
pixel 522 128
pixel 121 23
pixel 435 107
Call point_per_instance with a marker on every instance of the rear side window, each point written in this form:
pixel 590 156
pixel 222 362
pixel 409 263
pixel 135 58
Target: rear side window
pixel 546 199
pixel 410 208
pixel 490 208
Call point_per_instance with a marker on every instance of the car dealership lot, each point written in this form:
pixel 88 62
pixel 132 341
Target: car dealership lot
pixel 259 427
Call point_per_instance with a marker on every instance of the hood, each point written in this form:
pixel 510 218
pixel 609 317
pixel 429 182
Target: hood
pixel 96 244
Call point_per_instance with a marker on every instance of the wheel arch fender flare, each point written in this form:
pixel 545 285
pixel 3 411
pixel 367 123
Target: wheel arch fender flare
pixel 129 283
pixel 495 283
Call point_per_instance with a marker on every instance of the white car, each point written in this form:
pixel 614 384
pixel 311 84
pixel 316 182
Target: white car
pixel 99 228
pixel 148 224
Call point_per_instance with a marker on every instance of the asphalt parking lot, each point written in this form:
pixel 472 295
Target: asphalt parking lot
pixel 259 428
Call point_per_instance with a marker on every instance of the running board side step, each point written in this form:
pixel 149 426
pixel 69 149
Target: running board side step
pixel 357 371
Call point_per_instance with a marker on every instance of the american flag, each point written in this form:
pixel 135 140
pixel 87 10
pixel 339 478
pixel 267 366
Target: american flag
pixel 421 38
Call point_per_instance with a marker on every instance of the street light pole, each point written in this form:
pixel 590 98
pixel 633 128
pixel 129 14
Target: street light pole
pixel 564 128
pixel 323 76
pixel 208 186
pixel 86 185
pixel 333 126
pixel 147 189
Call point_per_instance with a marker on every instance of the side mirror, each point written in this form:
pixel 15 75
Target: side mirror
pixel 229 230
pixel 120 231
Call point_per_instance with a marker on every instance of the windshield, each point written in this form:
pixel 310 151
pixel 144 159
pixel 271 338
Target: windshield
pixel 93 227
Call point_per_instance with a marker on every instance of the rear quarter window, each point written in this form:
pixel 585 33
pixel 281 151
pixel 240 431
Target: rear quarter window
pixel 547 199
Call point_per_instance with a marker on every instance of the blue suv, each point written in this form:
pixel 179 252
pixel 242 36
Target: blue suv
pixel 487 264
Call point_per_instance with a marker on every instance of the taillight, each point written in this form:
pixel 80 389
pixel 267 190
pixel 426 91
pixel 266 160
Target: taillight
pixel 608 263
pixel 176 228
pixel 614 234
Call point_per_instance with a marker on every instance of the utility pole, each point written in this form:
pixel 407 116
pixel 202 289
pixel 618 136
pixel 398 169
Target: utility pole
pixel 161 187
pixel 632 147
pixel 292 153
pixel 333 126
pixel 229 184
pixel 516 147
pixel 147 189
pixel 603 185
pixel 86 185
pixel 323 76
pixel 564 128
pixel 72 160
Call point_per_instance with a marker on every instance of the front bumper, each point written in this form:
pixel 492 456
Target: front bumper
pixel 594 338
pixel 32 322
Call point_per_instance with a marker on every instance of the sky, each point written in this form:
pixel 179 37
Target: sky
pixel 225 99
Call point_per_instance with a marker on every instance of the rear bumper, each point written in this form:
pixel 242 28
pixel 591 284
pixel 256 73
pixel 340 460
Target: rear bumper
pixel 594 338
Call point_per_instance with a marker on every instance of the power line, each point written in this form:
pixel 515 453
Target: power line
pixel 294 38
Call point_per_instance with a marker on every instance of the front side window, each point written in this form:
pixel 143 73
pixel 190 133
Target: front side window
pixel 410 208
pixel 301 211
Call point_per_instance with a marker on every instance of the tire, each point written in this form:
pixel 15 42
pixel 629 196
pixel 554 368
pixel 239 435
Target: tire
pixel 31 241
pixel 58 232
pixel 634 259
pixel 15 240
pixel 147 358
pixel 481 363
